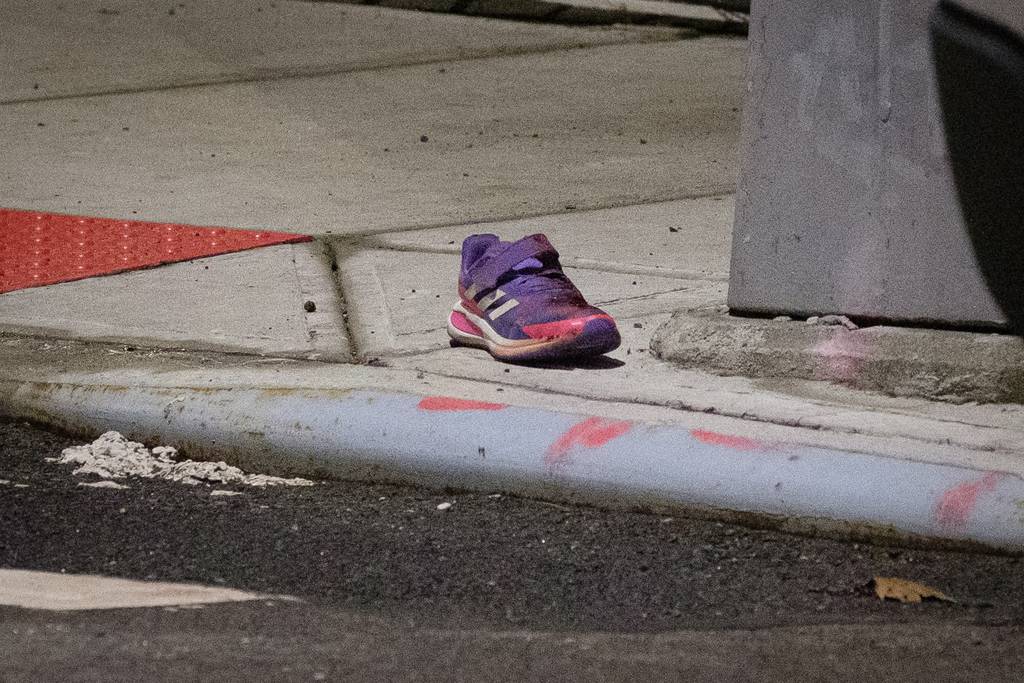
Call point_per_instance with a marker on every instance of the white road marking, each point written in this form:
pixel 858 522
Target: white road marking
pixel 60 592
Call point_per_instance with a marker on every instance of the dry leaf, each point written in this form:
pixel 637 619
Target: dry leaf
pixel 889 588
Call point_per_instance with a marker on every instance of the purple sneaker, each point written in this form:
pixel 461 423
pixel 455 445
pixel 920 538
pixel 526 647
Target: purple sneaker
pixel 515 301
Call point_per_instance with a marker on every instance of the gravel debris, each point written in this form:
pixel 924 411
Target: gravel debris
pixel 444 506
pixel 832 320
pixel 112 456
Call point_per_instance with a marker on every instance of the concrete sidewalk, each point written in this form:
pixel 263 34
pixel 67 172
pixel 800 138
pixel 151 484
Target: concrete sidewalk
pixel 391 136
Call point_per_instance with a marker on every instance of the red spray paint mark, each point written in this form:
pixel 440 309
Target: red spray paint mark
pixel 46 248
pixel 590 433
pixel 449 404
pixel 841 356
pixel 740 443
pixel 955 507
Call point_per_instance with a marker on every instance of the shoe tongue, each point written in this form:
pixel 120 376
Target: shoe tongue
pixel 528 264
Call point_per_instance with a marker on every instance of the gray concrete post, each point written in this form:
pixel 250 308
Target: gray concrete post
pixel 846 200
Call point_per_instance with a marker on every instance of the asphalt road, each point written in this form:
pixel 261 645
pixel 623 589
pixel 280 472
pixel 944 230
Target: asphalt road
pixel 494 588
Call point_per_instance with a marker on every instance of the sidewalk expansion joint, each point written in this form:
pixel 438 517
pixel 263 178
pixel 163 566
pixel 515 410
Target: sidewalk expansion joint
pixel 625 203
pixel 277 75
pixel 373 244
pixel 332 257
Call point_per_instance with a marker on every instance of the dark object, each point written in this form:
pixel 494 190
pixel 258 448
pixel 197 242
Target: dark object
pixel 309 306
pixel 424 138
pixel 733 5
pixel 980 68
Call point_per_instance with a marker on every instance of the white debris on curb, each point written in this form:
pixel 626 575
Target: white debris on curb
pixel 105 484
pixel 224 492
pixel 112 456
pixel 832 320
pixel 444 506
pixel 4 482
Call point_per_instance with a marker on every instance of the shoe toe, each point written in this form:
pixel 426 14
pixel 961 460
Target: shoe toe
pixel 599 335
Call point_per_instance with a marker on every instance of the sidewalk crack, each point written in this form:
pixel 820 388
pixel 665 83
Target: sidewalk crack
pixel 269 75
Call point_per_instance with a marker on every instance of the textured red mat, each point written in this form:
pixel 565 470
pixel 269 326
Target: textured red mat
pixel 45 248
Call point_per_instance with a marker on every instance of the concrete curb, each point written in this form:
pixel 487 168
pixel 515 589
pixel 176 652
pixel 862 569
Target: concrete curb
pixel 939 365
pixel 394 436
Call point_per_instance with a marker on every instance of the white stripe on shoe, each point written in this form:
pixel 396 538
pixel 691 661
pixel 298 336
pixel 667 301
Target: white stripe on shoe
pixel 486 302
pixel 489 333
pixel 502 309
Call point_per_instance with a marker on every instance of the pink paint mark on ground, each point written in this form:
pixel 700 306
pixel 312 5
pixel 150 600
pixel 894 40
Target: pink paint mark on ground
pixel 740 443
pixel 954 508
pixel 450 404
pixel 842 356
pixel 590 433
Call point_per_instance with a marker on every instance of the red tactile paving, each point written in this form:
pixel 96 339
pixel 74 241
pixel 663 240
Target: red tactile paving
pixel 45 248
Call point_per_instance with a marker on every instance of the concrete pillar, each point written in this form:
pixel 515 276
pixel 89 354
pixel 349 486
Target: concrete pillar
pixel 846 201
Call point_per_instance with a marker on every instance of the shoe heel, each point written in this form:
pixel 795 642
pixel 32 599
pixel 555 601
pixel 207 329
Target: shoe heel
pixel 463 332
